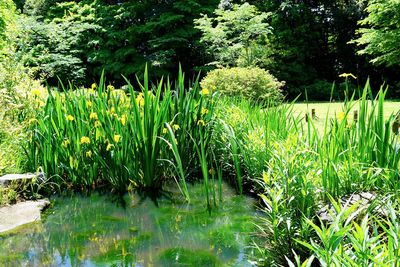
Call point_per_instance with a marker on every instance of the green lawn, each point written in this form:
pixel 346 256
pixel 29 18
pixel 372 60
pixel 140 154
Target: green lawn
pixel 322 110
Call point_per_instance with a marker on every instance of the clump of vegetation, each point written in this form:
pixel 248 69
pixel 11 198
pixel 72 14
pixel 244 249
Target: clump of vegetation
pixel 236 35
pixel 242 135
pixel 7 196
pixel 20 95
pixel 379 33
pixel 295 169
pixel 370 241
pixel 104 137
pixel 253 83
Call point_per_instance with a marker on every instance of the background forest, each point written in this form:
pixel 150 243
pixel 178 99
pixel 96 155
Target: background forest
pixel 307 44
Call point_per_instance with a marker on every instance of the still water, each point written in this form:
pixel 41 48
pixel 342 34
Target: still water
pixel 96 231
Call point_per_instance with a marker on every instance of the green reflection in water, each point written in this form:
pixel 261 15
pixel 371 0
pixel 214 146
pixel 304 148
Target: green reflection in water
pixel 94 231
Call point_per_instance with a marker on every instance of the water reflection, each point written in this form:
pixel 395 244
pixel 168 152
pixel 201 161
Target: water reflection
pixel 94 231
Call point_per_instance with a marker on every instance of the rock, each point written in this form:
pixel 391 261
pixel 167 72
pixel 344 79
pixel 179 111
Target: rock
pixel 364 200
pixel 6 179
pixel 40 177
pixel 21 213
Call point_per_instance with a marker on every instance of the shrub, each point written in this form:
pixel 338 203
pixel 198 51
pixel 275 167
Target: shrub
pixel 253 83
pixel 20 96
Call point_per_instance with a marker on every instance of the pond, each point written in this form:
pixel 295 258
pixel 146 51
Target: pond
pixel 95 231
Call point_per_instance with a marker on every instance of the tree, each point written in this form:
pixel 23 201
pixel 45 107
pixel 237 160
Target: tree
pixel 56 45
pixel 7 25
pixel 310 42
pixel 380 32
pixel 236 34
pixel 160 33
pixel 76 40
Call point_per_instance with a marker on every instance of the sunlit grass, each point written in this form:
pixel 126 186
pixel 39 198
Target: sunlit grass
pixel 332 110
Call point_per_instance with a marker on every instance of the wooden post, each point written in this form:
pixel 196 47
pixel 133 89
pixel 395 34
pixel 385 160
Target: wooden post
pixel 313 113
pixel 355 116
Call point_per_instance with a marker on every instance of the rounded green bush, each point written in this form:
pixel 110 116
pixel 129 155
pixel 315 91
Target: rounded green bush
pixel 253 83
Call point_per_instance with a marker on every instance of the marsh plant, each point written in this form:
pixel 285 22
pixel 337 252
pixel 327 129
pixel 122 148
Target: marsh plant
pixel 106 138
pixel 369 241
pixel 352 152
pixel 296 169
pixel 103 137
pixel 243 133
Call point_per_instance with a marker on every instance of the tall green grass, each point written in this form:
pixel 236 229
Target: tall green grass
pixel 295 169
pixel 143 139
pixel 372 240
pixel 349 150
pixel 105 138
pixel 243 133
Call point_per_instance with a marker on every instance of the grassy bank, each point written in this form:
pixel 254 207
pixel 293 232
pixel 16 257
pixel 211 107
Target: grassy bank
pixel 142 138
pixel 331 110
pixel 297 167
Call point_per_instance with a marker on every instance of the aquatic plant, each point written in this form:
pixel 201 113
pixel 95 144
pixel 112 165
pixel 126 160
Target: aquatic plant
pixel 100 137
pixel 295 168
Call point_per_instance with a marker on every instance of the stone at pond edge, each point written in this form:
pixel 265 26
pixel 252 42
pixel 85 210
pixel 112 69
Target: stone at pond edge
pixel 5 180
pixel 39 177
pixel 363 199
pixel 21 213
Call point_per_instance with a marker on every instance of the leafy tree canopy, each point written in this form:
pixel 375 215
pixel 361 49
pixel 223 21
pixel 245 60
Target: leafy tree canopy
pixel 76 40
pixel 380 32
pixel 57 46
pixel 236 34
pixel 310 41
pixel 7 25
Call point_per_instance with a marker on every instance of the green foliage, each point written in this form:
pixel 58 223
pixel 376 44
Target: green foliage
pixel 310 42
pixel 302 43
pixel 242 135
pixel 290 183
pixel 56 47
pixel 380 32
pixel 371 241
pixel 236 35
pixel 7 196
pixel 20 96
pixel 7 25
pixel 16 100
pixel 254 83
pixel 169 36
pixel 76 40
pixel 37 7
pixel 345 148
pixel 90 138
pixel 295 169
